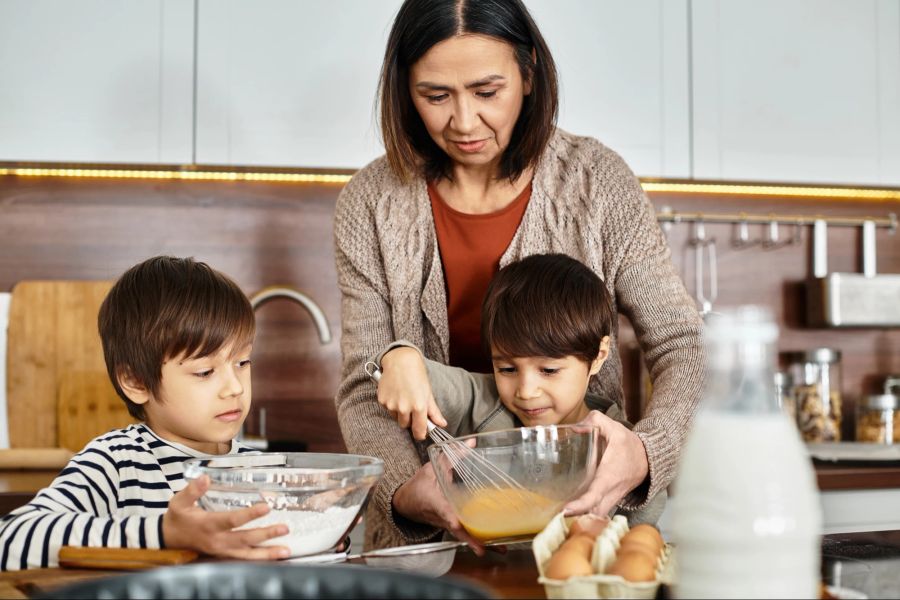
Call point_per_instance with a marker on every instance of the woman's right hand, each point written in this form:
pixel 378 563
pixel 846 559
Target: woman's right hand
pixel 420 499
pixel 404 389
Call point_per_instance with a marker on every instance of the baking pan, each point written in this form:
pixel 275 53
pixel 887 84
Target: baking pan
pixel 228 580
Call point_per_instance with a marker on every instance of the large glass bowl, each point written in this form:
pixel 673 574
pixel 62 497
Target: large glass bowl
pixel 318 496
pixel 510 483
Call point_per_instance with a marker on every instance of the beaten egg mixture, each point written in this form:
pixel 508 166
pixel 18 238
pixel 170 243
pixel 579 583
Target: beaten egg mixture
pixel 506 512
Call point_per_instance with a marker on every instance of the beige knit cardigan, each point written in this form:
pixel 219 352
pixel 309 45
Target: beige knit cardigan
pixel 586 203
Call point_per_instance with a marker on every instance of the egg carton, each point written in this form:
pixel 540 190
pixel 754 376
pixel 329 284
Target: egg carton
pixel 599 585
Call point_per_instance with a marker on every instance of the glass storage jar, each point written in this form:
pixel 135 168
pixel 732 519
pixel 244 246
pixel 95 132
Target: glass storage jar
pixel 878 416
pixel 816 376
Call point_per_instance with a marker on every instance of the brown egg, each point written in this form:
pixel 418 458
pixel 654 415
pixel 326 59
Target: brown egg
pixel 646 532
pixel 633 566
pixel 639 545
pixel 565 563
pixel 582 544
pixel 591 525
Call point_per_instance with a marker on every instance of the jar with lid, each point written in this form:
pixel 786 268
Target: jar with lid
pixel 816 376
pixel 878 416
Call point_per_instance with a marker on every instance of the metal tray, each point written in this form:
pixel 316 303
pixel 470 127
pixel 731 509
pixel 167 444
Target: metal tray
pixel 228 580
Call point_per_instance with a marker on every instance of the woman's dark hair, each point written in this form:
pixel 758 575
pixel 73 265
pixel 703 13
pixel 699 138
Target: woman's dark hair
pixel 546 305
pixel 167 307
pixel 419 25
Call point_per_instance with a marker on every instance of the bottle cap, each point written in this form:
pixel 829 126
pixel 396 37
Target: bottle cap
pixel 881 402
pixel 750 324
pixel 815 355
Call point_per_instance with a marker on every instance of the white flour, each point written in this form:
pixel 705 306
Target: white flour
pixel 310 532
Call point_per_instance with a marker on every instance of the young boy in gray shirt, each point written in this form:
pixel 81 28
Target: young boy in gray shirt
pixel 546 320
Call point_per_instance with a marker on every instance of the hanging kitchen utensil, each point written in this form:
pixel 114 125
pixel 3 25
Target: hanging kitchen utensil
pixel 705 254
pixel 864 299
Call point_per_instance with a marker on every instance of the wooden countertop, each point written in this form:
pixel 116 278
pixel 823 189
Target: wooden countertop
pixel 18 487
pixel 510 575
pixel 513 575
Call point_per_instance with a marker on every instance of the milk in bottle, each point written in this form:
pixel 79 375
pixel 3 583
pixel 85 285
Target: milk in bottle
pixel 746 516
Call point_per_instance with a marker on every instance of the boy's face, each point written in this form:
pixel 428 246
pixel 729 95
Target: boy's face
pixel 545 391
pixel 202 402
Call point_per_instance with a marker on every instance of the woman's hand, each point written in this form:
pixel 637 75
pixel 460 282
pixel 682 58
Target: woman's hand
pixel 622 468
pixel 404 389
pixel 186 525
pixel 420 499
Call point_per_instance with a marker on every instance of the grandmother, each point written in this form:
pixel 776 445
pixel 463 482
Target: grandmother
pixel 476 175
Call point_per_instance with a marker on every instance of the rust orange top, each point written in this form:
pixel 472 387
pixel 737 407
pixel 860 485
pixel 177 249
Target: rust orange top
pixel 471 247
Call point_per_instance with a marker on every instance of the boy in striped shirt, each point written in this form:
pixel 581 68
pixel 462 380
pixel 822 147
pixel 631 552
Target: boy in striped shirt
pixel 177 337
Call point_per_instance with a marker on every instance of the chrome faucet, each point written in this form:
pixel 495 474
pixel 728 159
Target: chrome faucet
pixel 279 291
pixel 260 298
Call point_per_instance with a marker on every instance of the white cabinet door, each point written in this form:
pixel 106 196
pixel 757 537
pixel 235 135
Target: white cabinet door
pixel 293 83
pixel 624 76
pixel 797 90
pixel 290 82
pixel 96 81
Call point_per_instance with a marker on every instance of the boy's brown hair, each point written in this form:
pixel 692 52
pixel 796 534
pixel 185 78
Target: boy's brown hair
pixel 546 305
pixel 167 307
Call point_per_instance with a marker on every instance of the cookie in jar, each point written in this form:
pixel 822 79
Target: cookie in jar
pixel 816 376
pixel 878 416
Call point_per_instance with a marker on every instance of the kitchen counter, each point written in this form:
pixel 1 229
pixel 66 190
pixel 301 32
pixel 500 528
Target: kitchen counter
pixel 850 476
pixel 17 486
pixel 872 557
pixel 513 575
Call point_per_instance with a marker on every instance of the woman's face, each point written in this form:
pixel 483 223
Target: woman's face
pixel 469 92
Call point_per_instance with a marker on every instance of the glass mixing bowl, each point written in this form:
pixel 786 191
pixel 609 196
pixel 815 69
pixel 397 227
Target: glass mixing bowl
pixel 510 483
pixel 318 496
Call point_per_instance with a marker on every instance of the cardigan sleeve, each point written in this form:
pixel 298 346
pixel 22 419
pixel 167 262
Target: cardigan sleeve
pixel 468 401
pixel 366 328
pixel 669 330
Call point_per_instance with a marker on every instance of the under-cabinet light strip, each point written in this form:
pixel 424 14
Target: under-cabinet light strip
pixel 771 190
pixel 176 174
pixel 649 186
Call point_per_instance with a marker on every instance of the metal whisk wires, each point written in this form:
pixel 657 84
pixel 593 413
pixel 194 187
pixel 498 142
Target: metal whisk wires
pixel 475 471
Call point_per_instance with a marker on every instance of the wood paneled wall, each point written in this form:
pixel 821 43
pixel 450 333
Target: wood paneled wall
pixel 280 233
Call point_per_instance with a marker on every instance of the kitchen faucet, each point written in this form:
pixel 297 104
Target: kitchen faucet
pixel 318 316
pixel 278 291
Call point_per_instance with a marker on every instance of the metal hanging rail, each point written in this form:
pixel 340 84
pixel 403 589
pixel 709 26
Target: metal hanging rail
pixel 667 215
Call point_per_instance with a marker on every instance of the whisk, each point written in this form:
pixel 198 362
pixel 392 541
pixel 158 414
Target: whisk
pixel 475 471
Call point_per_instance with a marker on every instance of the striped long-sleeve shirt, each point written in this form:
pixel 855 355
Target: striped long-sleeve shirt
pixel 111 494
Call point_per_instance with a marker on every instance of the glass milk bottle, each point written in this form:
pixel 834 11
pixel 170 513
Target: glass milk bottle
pixel 746 516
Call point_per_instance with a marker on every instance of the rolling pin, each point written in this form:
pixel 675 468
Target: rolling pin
pixel 79 557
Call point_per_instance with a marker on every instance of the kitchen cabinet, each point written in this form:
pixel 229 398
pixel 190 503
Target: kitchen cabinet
pixel 803 90
pixel 770 90
pixel 624 77
pixel 288 83
pixel 96 81
pixel 294 83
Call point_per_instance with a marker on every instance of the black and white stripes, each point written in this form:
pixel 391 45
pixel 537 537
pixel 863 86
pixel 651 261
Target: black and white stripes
pixel 112 494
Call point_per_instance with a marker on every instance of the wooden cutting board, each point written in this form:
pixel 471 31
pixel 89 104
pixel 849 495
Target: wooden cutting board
pixel 55 363
pixel 86 406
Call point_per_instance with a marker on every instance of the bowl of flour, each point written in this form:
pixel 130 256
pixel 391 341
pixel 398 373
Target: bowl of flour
pixel 318 496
